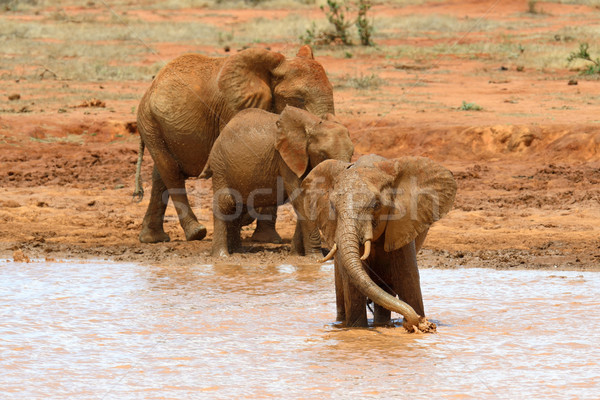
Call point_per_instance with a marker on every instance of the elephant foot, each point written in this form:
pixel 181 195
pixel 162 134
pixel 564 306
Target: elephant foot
pixel 198 232
pixel 357 323
pixel 149 236
pixel 236 248
pixel 268 235
pixel 219 253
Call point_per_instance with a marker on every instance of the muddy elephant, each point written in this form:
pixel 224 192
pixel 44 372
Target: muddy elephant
pixel 279 151
pixel 382 207
pixel 189 102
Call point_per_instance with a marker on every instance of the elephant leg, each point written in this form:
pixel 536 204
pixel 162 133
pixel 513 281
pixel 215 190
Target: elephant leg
pixel 311 239
pixel 307 240
pixel 234 237
pixel 339 293
pixel 383 275
pixel 224 208
pixel 381 316
pixel 219 245
pixel 354 305
pixel 265 226
pixel 407 280
pixel 247 219
pixel 297 240
pixel 152 226
pixel 175 182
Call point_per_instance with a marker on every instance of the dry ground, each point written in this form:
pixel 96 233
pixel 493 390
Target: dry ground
pixel 527 164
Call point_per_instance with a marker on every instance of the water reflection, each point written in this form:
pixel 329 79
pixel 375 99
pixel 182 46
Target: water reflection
pixel 124 331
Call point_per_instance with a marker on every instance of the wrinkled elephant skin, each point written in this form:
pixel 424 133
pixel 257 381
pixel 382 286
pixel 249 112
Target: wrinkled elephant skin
pixel 190 101
pixel 259 160
pixel 376 213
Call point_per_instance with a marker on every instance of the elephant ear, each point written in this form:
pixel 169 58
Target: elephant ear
pixel 316 190
pixel 422 193
pixel 305 52
pixel 293 128
pixel 245 78
pixel 332 118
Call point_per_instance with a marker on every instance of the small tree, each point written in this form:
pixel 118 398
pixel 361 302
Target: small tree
pixel 335 15
pixel 365 28
pixel 583 54
pixel 336 12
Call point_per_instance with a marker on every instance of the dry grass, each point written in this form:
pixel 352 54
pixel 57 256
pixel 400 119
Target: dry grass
pixel 77 46
pixel 591 3
pixel 80 50
pixel 432 25
pixel 360 81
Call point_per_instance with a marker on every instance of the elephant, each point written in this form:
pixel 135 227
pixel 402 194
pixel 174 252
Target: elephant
pixel 384 207
pixel 278 151
pixel 189 102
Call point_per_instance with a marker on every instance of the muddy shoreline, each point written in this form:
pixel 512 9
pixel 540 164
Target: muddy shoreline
pixel 69 201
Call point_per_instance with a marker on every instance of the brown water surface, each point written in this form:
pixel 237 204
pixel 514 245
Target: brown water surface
pixel 125 331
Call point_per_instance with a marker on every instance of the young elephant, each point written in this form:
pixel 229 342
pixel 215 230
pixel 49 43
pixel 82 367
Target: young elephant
pixel 259 160
pixel 384 206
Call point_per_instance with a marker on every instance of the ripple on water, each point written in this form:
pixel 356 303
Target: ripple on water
pixel 108 330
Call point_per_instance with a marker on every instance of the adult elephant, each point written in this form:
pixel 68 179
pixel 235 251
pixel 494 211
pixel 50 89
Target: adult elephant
pixel 384 206
pixel 193 97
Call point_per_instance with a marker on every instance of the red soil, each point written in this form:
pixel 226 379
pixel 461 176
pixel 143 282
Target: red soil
pixel 527 166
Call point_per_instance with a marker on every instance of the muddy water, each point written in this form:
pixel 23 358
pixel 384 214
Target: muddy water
pixel 125 331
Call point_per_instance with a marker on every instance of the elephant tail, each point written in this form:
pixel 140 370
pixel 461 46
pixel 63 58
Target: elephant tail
pixel 206 172
pixel 138 194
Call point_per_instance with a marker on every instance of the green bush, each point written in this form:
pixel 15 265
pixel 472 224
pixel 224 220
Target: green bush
pixel 336 13
pixel 583 54
pixel 470 107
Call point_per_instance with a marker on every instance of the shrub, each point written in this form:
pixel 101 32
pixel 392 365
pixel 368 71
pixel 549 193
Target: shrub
pixel 470 107
pixel 365 28
pixel 583 54
pixel 336 13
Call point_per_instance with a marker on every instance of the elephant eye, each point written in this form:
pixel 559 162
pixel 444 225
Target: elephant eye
pixel 296 101
pixel 375 204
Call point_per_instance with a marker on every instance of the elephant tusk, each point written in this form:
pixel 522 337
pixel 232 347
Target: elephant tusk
pixel 331 253
pixel 367 250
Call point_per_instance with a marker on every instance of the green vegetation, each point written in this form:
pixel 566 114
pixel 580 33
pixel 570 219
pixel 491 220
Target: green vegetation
pixel 365 28
pixel 336 13
pixel 336 16
pixel 531 7
pixel 583 54
pixel 470 107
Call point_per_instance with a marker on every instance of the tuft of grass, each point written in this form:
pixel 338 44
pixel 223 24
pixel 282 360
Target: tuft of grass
pixel 531 4
pixel 361 82
pixel 470 107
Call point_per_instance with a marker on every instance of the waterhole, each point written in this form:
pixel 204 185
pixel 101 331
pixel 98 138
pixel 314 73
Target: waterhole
pixel 98 330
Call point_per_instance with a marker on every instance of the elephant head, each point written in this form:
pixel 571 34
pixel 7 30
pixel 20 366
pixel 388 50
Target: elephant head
pixel 305 140
pixel 385 201
pixel 259 78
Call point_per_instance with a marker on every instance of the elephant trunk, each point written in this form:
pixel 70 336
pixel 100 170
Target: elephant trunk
pixel 349 251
